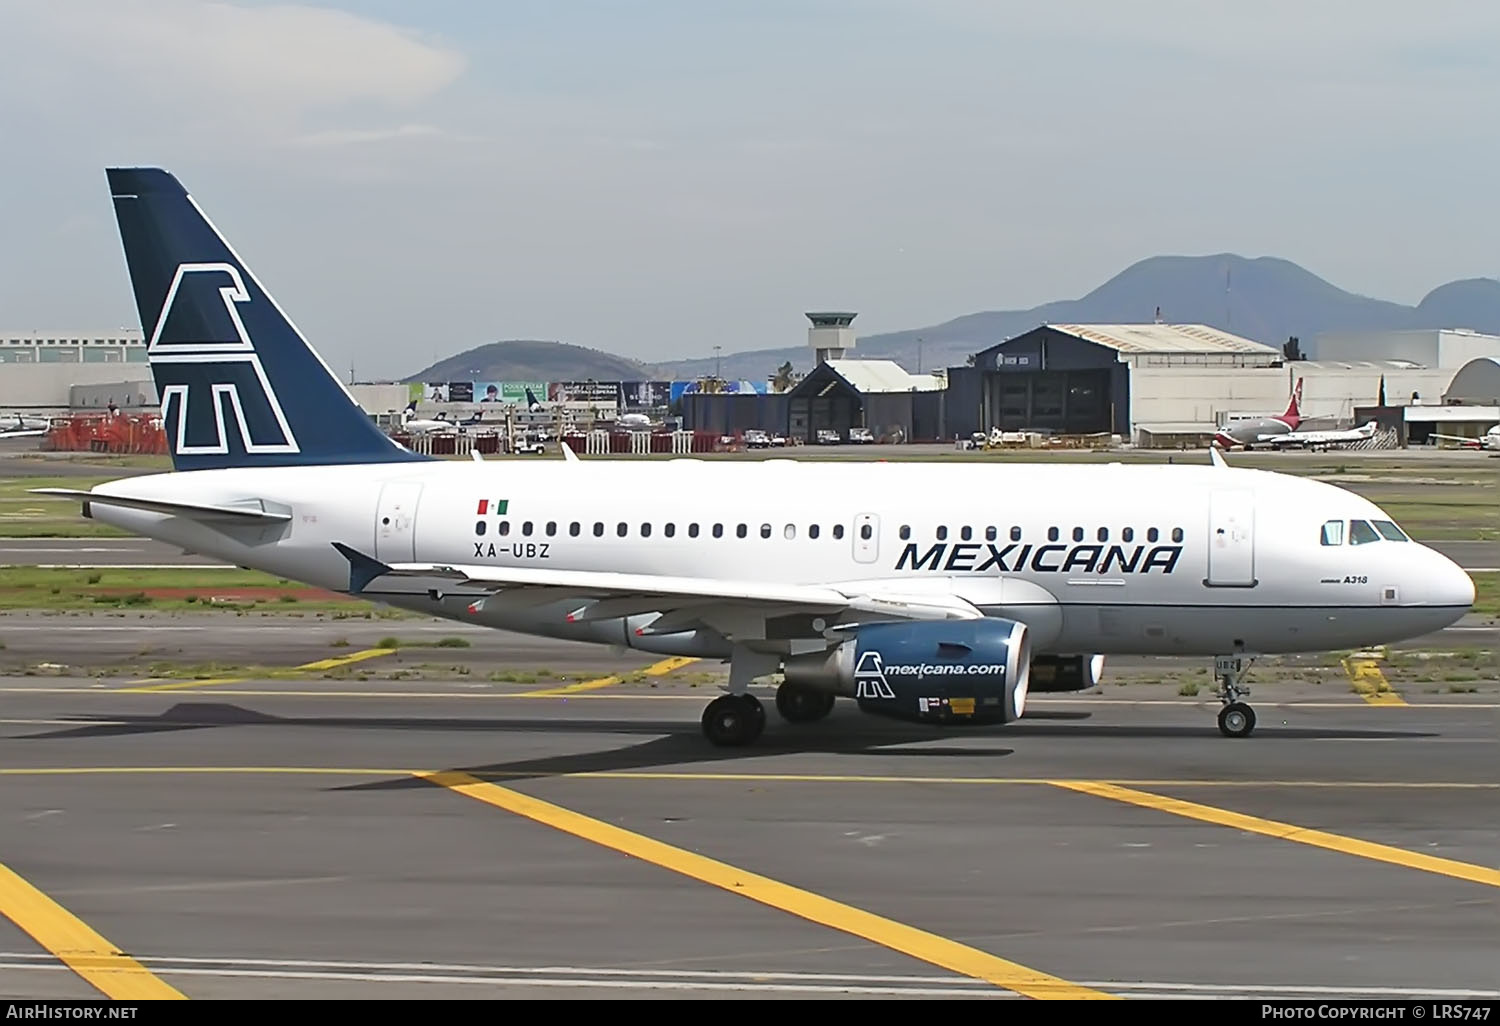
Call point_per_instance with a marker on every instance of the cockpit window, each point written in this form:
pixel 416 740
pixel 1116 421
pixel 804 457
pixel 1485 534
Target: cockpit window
pixel 1333 532
pixel 1389 531
pixel 1361 533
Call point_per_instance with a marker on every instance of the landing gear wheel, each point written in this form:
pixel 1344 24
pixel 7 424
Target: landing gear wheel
pixel 798 703
pixel 1236 720
pixel 733 720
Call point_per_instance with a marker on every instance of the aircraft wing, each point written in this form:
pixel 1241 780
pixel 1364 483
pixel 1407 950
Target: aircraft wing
pixel 23 433
pixel 735 608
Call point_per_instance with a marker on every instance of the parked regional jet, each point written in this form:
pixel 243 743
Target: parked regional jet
pixel 928 592
pixel 438 425
pixel 1489 441
pixel 1248 433
pixel 1324 439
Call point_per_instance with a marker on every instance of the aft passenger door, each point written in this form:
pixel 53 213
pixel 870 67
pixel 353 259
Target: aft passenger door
pixel 396 522
pixel 866 537
pixel 1231 540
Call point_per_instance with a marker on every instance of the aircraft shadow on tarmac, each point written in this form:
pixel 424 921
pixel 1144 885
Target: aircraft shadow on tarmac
pixel 676 743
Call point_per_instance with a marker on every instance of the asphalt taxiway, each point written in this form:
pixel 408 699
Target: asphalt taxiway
pixel 457 836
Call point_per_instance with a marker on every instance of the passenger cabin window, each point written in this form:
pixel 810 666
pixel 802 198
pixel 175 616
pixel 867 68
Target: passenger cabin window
pixel 838 530
pixel 645 530
pixel 765 530
pixel 1128 534
pixel 789 532
pixel 526 528
pixel 551 528
pixel 692 530
pixel 1389 531
pixel 598 529
pixel 1361 533
pixel 718 530
pixel 574 528
pixel 865 531
pixel 964 532
pixel 504 528
pixel 479 527
pixel 1078 534
pixel 669 529
pixel 1333 532
pixel 1102 534
pixel 1015 534
pixel 1151 534
pixel 1177 534
pixel 942 534
pixel 623 529
pixel 1052 534
pixel 741 531
pixel 812 530
pixel 905 532
pixel 990 534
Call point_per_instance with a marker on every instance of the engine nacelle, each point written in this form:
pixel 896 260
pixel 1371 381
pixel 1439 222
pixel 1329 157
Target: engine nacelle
pixel 973 671
pixel 1051 674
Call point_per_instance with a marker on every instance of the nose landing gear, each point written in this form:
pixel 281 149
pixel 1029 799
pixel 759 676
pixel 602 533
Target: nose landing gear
pixel 1236 719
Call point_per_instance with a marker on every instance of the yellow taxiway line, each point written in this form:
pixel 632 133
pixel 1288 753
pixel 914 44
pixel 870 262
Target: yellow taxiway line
pixel 1287 831
pixel 322 664
pixel 654 670
pixel 888 933
pixel 1370 682
pixel 115 974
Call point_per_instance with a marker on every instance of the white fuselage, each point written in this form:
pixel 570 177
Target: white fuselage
pixel 1168 560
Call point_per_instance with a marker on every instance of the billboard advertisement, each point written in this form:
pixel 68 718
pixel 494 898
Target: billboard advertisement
pixel 645 394
pixel 604 393
pixel 508 391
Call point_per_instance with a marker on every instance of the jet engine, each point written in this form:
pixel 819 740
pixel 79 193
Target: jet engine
pixel 1051 673
pixel 973 671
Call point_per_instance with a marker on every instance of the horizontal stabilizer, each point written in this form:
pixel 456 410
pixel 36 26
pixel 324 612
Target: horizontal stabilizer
pixel 256 513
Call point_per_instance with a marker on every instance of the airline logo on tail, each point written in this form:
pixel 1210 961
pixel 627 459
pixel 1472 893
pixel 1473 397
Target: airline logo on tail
pixel 211 379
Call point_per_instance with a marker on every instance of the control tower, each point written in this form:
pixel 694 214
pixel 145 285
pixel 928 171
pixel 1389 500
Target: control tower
pixel 830 336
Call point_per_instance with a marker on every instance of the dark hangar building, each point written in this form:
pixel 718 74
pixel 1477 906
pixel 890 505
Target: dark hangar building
pixel 1076 379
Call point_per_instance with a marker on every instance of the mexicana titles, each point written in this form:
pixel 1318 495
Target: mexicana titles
pixel 1052 558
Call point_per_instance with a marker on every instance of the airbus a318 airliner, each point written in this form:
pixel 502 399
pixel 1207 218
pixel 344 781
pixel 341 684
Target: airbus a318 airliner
pixel 929 592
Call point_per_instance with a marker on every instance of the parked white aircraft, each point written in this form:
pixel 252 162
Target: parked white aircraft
pixel 1489 441
pixel 1323 439
pixel 436 425
pixel 927 592
pixel 21 425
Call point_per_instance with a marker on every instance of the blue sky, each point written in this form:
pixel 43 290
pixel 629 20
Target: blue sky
pixel 657 178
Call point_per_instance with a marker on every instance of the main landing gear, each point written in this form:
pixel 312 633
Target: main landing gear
pixel 798 703
pixel 1236 719
pixel 737 719
pixel 734 720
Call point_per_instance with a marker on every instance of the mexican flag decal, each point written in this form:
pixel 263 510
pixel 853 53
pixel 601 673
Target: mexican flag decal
pixel 495 506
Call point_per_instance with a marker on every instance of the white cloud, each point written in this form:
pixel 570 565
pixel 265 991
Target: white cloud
pixel 168 66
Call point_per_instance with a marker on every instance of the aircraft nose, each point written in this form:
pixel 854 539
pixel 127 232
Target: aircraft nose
pixel 1448 584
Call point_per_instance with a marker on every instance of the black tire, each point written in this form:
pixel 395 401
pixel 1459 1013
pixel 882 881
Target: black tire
pixel 1236 720
pixel 798 703
pixel 733 720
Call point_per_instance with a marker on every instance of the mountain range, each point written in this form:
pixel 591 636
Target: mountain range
pixel 1266 299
